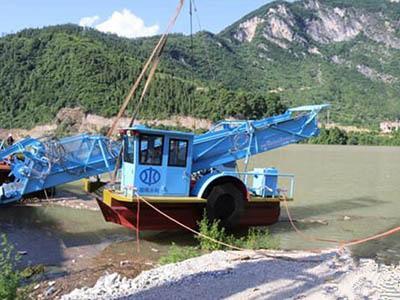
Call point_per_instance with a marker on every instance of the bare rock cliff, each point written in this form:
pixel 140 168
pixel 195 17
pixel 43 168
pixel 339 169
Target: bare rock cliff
pixel 318 22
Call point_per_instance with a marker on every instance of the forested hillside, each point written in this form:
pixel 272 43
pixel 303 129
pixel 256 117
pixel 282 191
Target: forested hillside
pixel 44 70
pixel 346 53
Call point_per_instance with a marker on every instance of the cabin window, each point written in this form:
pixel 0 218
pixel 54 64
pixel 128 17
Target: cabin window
pixel 178 150
pixel 128 150
pixel 151 149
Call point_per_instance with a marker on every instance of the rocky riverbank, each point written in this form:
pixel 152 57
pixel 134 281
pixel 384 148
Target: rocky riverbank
pixel 254 275
pixel 75 120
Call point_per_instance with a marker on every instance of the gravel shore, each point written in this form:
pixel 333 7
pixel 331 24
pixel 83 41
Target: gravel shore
pixel 254 275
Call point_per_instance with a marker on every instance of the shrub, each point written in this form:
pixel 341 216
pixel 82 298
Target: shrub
pixel 256 238
pixel 212 230
pixel 9 277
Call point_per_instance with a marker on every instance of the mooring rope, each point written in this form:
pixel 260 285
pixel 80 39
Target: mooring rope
pixel 230 246
pixel 304 236
pixel 140 198
pixel 340 243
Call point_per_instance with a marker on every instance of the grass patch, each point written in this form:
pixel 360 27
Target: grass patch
pixel 32 271
pixel 255 238
pixel 212 230
pixel 10 278
pixel 176 254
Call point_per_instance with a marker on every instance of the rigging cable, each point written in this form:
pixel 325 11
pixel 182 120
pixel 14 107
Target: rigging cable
pixel 191 25
pixel 145 89
pixel 196 11
pixel 132 121
pixel 156 52
pixel 154 60
pixel 190 96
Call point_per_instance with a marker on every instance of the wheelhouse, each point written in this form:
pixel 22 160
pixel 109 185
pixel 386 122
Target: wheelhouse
pixel 156 162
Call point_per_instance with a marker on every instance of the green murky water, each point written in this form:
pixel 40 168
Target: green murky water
pixel 355 191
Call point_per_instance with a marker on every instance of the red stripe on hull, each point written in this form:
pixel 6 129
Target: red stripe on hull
pixel 256 214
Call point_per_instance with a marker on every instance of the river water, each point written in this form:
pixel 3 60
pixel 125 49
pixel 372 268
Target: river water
pixel 354 189
pixel 351 192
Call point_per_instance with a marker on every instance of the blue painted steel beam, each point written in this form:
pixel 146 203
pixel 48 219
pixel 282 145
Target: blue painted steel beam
pixel 229 141
pixel 37 165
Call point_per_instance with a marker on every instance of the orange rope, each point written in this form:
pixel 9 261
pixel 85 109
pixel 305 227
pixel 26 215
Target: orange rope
pixel 153 59
pixel 276 256
pixel 341 244
pixel 374 237
pixel 303 235
pixel 140 198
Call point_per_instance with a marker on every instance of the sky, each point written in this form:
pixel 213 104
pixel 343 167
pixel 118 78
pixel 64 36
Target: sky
pixel 133 18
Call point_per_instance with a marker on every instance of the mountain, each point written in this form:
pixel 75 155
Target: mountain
pixel 44 70
pixel 344 52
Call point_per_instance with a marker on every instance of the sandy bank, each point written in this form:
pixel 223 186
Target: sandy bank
pixel 249 275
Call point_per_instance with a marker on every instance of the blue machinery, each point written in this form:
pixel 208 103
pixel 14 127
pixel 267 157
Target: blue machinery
pixel 38 165
pixel 208 156
pixel 164 165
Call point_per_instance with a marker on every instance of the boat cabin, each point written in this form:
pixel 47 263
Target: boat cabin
pixel 156 162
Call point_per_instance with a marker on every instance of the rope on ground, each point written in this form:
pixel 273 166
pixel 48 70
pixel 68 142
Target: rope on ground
pixel 300 233
pixel 371 238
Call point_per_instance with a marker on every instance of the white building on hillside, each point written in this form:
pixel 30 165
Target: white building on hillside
pixel 388 127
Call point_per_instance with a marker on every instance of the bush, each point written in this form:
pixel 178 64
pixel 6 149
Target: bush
pixel 214 231
pixel 255 238
pixel 9 277
pixel 336 136
pixel 177 254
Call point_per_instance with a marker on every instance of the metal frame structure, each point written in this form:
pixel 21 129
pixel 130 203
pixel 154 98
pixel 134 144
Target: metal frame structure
pixel 37 165
pixel 183 191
